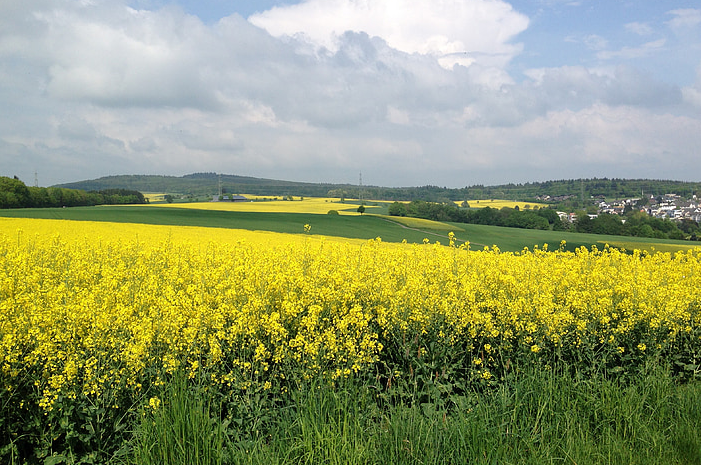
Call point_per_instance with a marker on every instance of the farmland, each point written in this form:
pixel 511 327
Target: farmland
pixel 314 205
pixel 291 216
pixel 498 204
pixel 294 344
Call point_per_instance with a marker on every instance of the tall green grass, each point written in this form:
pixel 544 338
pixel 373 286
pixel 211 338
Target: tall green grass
pixel 180 427
pixel 535 417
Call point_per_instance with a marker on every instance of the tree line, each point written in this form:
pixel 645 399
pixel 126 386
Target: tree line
pixel 634 223
pixel 544 218
pixel 205 184
pixel 638 224
pixel 15 194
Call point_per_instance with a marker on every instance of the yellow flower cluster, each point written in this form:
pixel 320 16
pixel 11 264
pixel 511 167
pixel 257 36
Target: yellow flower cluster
pixel 86 317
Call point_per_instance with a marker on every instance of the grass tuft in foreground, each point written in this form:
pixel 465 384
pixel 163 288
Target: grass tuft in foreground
pixel 537 417
pixel 179 427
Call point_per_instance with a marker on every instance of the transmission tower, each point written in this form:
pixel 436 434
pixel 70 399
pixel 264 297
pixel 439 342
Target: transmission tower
pixel 360 187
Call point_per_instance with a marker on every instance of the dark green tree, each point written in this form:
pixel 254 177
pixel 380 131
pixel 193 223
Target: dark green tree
pixel 583 223
pixel 397 209
pixel 607 223
pixel 13 193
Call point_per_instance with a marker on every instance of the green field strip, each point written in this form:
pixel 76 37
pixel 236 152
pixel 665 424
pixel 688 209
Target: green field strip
pixel 355 227
pixel 350 226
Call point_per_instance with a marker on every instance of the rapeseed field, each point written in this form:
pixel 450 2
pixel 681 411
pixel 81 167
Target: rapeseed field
pixel 94 318
pixel 299 205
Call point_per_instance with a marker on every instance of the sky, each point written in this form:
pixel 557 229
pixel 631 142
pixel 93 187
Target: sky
pixel 407 92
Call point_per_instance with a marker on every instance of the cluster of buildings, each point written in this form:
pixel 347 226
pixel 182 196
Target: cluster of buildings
pixel 555 198
pixel 670 206
pixel 229 198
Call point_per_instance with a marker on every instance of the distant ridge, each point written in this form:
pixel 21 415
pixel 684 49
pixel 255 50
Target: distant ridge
pixel 207 184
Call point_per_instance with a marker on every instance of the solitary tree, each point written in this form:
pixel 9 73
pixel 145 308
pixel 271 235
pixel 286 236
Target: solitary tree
pixel 361 209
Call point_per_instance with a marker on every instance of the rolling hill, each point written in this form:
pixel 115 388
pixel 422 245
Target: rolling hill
pixel 207 184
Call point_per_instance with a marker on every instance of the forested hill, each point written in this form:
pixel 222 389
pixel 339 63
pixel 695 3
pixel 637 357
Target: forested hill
pixel 15 194
pixel 205 184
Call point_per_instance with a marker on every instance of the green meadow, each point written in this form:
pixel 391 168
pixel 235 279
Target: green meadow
pixel 368 226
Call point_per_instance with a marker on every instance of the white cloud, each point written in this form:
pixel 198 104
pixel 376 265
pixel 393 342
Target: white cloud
pixel 105 89
pixel 692 94
pixel 121 56
pixel 599 140
pixel 684 18
pixel 552 3
pixel 641 29
pixel 595 42
pixel 397 116
pixel 579 87
pixel 628 53
pixel 441 28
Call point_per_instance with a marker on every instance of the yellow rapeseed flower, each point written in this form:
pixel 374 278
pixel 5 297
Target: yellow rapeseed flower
pixel 105 311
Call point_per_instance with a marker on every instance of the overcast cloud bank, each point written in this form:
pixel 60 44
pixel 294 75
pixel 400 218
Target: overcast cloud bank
pixel 324 89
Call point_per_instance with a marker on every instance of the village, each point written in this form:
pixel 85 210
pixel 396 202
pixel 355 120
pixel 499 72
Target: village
pixel 668 206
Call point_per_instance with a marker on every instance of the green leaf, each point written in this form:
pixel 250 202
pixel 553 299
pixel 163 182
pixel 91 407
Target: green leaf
pixel 54 460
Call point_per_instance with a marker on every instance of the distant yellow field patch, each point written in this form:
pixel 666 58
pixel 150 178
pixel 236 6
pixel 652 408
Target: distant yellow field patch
pixel 496 203
pixel 308 205
pixel 650 246
pixel 154 197
pixel 40 230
